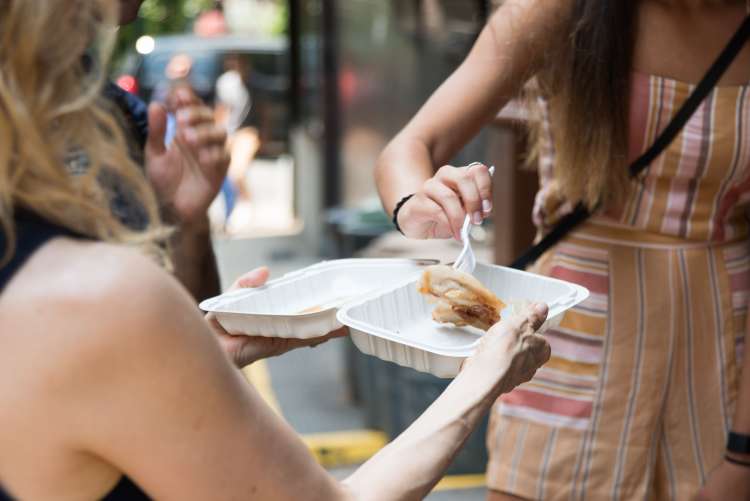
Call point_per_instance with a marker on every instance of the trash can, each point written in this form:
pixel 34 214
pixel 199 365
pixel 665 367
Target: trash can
pixel 393 397
pixel 353 229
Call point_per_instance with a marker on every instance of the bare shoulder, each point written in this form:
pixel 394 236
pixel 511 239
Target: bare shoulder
pixel 76 296
pixel 539 21
pixel 520 35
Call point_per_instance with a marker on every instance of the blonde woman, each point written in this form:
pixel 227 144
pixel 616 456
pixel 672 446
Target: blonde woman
pixel 112 385
pixel 647 393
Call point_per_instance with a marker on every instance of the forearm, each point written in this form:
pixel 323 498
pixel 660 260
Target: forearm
pixel 410 466
pixel 741 423
pixel 194 261
pixel 402 169
pixel 513 44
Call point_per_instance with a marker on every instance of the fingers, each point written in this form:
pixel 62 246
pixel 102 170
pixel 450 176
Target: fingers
pixel 481 176
pixel 338 333
pixel 449 202
pixel 192 116
pixel 521 325
pixel 421 217
pixel 531 318
pixel 181 96
pixel 439 208
pixel 157 128
pixel 254 278
pixel 203 135
pixel 196 129
pixel 469 193
pixel 214 160
pixel 474 187
pixel 539 348
pixel 293 344
pixel 206 140
pixel 537 315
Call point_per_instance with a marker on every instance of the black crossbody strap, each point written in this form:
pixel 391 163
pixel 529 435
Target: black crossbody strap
pixel 670 132
pixel 709 81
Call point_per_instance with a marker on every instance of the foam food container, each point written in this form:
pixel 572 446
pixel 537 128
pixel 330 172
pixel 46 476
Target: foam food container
pixel 303 304
pixel 396 325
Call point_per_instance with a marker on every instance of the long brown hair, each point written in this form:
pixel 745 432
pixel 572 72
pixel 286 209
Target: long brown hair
pixel 53 55
pixel 586 81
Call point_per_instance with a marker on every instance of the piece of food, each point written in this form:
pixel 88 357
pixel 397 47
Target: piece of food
pixel 312 309
pixel 461 299
pixel 325 306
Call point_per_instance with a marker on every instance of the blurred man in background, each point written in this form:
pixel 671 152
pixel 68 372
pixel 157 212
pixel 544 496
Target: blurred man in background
pixel 186 174
pixel 232 112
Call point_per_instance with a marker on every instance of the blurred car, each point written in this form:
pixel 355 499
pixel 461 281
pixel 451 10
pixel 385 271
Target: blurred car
pixel 146 68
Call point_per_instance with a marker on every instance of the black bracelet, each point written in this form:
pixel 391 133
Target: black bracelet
pixel 398 208
pixel 739 462
pixel 738 443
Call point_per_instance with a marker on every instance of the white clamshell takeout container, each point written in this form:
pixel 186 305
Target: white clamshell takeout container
pixel 396 324
pixel 303 304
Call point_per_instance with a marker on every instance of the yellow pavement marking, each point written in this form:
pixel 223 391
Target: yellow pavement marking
pixel 460 482
pixel 259 376
pixel 346 448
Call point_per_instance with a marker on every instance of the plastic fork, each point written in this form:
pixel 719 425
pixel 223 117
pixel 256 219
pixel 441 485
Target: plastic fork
pixel 466 260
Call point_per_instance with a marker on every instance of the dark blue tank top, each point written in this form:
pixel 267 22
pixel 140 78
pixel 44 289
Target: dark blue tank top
pixel 32 232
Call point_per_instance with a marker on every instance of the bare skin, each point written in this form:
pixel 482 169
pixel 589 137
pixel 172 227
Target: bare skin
pixel 186 176
pixel 114 370
pixel 675 39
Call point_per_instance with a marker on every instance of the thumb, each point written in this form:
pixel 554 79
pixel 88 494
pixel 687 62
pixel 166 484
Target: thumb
pixel 157 128
pixel 254 278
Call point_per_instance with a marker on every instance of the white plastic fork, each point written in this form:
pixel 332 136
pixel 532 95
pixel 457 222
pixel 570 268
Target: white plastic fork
pixel 466 260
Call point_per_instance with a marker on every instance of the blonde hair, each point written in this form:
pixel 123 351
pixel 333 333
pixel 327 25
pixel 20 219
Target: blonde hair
pixel 53 55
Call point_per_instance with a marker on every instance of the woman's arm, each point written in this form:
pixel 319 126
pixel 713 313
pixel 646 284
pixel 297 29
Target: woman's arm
pixel 151 393
pixel 409 467
pixel 741 422
pixel 507 53
pixel 186 176
pixel 730 480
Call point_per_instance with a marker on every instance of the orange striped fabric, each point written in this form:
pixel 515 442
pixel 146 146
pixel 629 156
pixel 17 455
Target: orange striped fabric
pixel 637 398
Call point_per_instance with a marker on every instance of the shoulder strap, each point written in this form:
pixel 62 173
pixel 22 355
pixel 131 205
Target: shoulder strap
pixel 32 232
pixel 709 81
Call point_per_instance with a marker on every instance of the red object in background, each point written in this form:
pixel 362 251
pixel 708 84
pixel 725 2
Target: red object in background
pixel 348 85
pixel 210 24
pixel 128 83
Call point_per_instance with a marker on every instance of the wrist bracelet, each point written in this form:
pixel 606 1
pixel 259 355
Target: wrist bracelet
pixel 738 462
pixel 398 208
pixel 738 443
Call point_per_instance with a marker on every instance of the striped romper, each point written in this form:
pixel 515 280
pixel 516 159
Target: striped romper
pixel 638 396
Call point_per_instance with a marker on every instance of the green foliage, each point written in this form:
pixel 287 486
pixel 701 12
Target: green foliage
pixel 159 17
pixel 162 17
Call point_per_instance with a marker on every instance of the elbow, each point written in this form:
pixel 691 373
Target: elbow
pixel 384 167
pixel 347 491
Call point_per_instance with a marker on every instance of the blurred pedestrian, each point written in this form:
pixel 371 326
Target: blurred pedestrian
pixel 647 394
pixel 232 110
